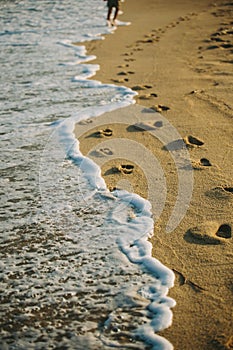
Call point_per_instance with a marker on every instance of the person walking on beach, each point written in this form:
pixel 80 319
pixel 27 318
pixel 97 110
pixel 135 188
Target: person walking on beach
pixel 112 4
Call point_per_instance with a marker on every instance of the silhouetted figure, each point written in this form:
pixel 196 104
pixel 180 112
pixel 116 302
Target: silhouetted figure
pixel 112 4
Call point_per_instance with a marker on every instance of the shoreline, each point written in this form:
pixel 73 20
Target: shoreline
pixel 177 66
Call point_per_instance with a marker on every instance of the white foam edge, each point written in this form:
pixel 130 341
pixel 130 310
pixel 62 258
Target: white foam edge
pixel 88 71
pixel 142 207
pixel 143 252
pixel 80 52
pixel 71 145
pixel 148 334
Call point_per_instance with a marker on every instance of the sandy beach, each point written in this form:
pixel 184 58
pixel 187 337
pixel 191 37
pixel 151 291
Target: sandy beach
pixel 177 56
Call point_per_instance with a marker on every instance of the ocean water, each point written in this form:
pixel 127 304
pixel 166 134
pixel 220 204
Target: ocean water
pixel 76 270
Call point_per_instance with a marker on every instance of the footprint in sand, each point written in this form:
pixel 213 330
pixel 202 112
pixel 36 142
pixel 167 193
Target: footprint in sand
pixel 153 35
pixel 160 108
pixel 227 46
pixel 106 151
pixel 127 54
pixel 120 81
pixel 209 232
pixel 224 231
pixel 112 188
pixel 172 25
pixel 228 189
pixel 181 19
pixel 193 141
pixel 145 41
pixel 125 73
pixel 141 87
pixel 123 65
pixel 137 49
pixel 212 47
pixel 144 97
pixel 129 59
pixel 195 92
pixel 219 40
pixel 220 193
pixel 126 168
pixel 123 168
pixel 205 162
pixel 147 96
pixel 122 73
pixel 138 88
pixel 106 132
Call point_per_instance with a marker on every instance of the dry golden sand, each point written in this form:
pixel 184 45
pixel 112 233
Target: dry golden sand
pixel 178 54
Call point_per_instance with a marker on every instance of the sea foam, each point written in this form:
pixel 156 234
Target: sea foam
pixel 80 273
pixel 132 234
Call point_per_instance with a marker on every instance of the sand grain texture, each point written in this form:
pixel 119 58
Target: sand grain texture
pixel 178 57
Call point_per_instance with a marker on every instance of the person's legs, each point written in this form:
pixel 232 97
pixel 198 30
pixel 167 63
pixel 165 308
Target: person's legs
pixel 112 4
pixel 116 12
pixel 109 13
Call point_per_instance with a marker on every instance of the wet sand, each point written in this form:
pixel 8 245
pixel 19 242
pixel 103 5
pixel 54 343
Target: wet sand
pixel 178 57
